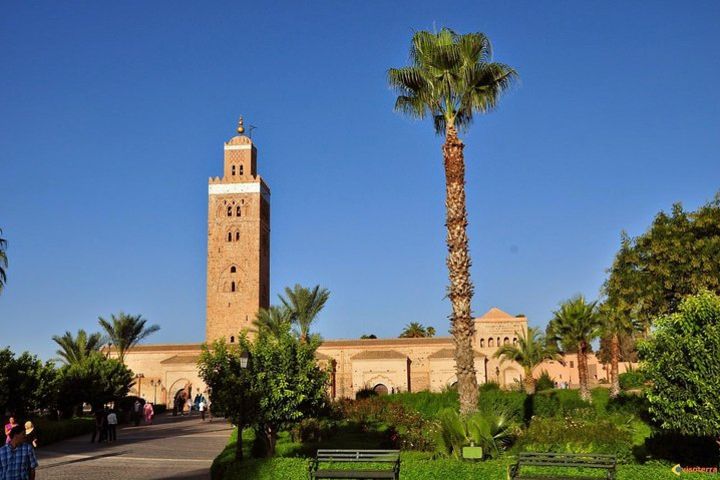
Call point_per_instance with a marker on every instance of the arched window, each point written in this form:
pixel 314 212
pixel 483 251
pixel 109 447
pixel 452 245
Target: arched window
pixel 237 236
pixel 233 170
pixel 229 211
pixel 238 211
pixel 241 169
pixel 506 340
pixel 232 286
pixel 233 269
pixel 229 236
pixel 514 340
pixel 482 343
pixel 232 339
pixel 491 342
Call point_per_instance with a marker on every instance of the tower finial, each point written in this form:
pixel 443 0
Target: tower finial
pixel 240 127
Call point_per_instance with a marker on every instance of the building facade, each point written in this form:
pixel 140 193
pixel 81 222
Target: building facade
pixel 238 285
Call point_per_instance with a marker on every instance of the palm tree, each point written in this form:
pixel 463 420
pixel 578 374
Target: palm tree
pixel 273 321
pixel 531 350
pixel 3 261
pixel 304 305
pixel 74 350
pixel 615 325
pixel 125 331
pixel 451 78
pixel 417 330
pixel 575 325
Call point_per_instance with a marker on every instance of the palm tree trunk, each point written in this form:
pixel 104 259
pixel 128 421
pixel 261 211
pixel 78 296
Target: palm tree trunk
pixel 529 382
pixel 583 372
pixel 458 262
pixel 614 370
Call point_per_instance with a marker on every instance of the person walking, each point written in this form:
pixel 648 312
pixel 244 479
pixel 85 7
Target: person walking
pixel 97 433
pixel 112 426
pixel 31 434
pixel 17 458
pixel 149 413
pixel 201 407
pixel 9 426
pixel 137 412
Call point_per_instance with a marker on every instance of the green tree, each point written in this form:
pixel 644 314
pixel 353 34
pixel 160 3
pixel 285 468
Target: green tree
pixel 125 331
pixel 417 330
pixel 304 304
pixel 531 350
pixel 230 385
pixel 681 360
pixel 3 261
pixel 677 256
pixel 95 379
pixel 575 325
pixel 371 336
pixel 273 321
pixel 451 78
pixel 75 349
pixel 26 383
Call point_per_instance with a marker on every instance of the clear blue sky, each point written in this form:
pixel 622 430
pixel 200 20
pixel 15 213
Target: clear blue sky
pixel 113 116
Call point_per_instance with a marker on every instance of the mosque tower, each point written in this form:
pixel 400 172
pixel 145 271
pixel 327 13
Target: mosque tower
pixel 238 261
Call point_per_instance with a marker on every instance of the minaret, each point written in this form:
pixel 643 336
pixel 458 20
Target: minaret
pixel 238 262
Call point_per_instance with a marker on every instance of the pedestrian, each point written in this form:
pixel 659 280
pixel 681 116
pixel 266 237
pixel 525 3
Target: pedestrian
pixel 149 413
pixel 137 412
pixel 30 434
pixel 97 432
pixel 201 407
pixel 104 427
pixel 17 458
pixel 9 426
pixel 112 426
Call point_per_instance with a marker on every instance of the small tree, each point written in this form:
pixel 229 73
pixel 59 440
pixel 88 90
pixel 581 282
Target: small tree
pixel 273 321
pixel 95 380
pixel 417 330
pixel 304 305
pixel 575 325
pixel 532 349
pixel 681 358
pixel 26 384
pixel 76 349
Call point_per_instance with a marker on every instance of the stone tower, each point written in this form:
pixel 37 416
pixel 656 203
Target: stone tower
pixel 238 262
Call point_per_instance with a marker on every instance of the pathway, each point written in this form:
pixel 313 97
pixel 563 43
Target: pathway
pixel 172 448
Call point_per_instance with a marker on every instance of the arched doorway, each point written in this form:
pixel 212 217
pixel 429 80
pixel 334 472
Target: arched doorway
pixel 380 389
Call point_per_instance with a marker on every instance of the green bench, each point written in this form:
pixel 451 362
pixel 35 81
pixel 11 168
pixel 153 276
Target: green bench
pixel 322 465
pixel 561 460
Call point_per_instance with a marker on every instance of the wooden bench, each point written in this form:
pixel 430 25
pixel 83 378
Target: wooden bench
pixel 390 457
pixel 558 460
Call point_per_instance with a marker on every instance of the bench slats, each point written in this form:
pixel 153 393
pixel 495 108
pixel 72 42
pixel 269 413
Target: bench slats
pixel 355 456
pixel 570 460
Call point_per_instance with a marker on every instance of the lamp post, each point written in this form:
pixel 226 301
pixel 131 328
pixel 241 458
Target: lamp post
pixel 244 360
pixel 155 383
pixel 139 378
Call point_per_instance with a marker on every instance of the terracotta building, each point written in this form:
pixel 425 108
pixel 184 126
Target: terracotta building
pixel 238 284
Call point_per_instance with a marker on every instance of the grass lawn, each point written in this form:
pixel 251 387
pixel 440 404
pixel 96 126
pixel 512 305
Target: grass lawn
pixel 291 463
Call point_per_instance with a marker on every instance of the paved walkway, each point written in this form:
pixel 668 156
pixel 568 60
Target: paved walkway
pixel 172 448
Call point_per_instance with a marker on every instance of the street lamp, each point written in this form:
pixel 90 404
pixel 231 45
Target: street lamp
pixel 155 383
pixel 139 378
pixel 244 360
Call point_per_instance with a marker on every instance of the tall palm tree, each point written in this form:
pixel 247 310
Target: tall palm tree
pixel 3 261
pixel 125 331
pixel 575 325
pixel 616 325
pixel 74 350
pixel 417 330
pixel 273 321
pixel 451 78
pixel 304 305
pixel 531 350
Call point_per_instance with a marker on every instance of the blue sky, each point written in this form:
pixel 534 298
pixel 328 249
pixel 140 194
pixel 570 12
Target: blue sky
pixel 114 115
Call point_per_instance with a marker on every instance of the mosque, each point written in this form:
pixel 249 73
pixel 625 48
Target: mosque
pixel 238 285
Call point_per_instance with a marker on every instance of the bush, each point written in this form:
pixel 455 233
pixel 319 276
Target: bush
pixel 629 404
pixel 313 430
pixel 51 431
pixel 631 379
pixel 495 400
pixel 544 382
pixel 570 435
pixel 364 393
pixel 493 431
pixel 426 403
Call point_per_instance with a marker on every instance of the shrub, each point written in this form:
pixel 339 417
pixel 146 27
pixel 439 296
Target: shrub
pixel 313 430
pixel 571 435
pixel 629 404
pixel 544 382
pixel 546 404
pixel 632 379
pixel 493 431
pixel 51 431
pixel 365 392
pixel 495 400
pixel 427 403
